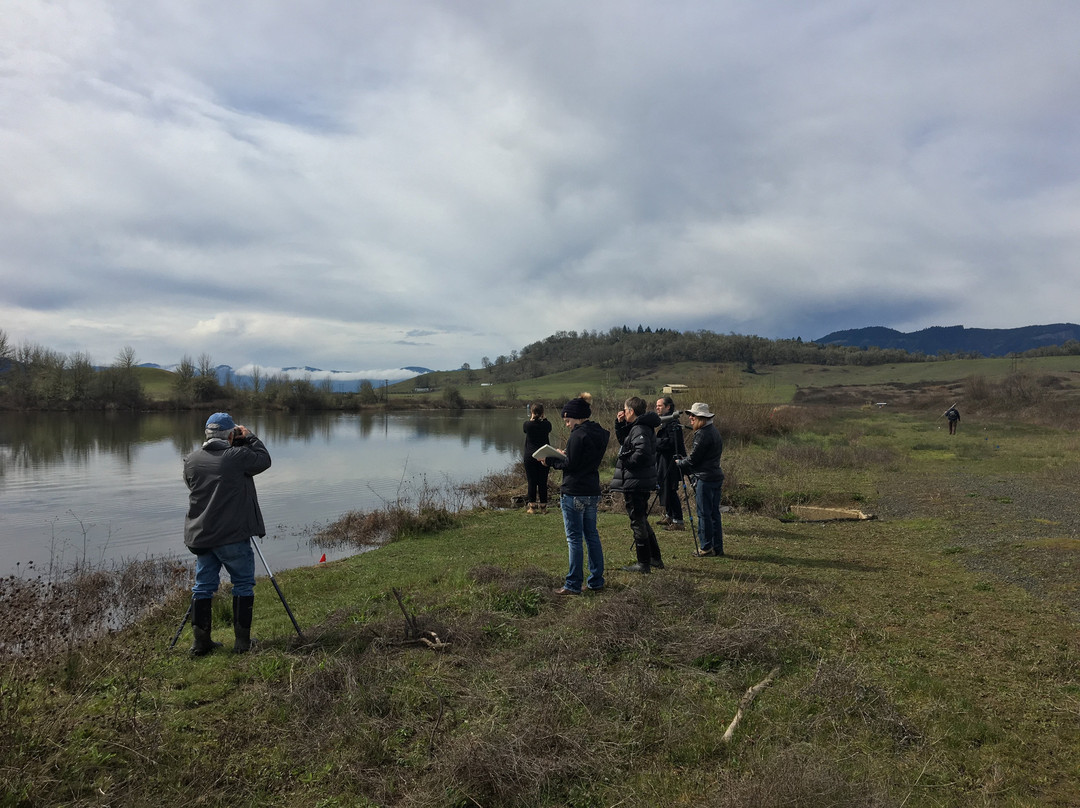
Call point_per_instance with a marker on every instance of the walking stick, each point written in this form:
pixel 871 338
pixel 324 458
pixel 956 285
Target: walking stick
pixel 277 588
pixel 183 623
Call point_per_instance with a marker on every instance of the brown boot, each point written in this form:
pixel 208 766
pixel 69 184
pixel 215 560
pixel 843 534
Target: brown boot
pixel 530 508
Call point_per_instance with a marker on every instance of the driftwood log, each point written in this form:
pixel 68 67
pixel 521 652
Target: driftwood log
pixel 746 700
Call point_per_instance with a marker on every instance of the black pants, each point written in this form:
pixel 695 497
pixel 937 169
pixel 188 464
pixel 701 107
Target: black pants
pixel 669 496
pixel 536 473
pixel 637 508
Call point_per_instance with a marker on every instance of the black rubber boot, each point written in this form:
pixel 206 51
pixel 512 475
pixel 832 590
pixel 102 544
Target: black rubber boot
pixel 241 609
pixel 200 624
pixel 640 529
pixel 654 548
pixel 642 567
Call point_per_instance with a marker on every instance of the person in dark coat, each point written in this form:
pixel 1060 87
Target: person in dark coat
pixel 635 477
pixel 952 415
pixel 537 431
pixel 703 463
pixel 223 514
pixel 670 445
pixel 580 493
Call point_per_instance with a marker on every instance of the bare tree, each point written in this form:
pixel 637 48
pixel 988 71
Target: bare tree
pixel 206 365
pixel 125 360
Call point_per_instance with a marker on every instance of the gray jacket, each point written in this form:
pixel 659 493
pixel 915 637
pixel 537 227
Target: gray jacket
pixel 223 507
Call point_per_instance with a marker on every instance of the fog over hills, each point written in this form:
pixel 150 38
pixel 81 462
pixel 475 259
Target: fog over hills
pixel 341 381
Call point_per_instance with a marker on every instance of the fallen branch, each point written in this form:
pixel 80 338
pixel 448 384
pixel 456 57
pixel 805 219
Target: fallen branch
pixel 412 628
pixel 746 700
pixel 413 634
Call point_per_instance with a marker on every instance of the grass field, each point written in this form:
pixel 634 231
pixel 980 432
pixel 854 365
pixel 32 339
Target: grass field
pixel 927 657
pixel 777 384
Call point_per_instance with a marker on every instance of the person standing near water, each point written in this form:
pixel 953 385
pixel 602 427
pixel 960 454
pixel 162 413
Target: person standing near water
pixel 223 514
pixel 537 432
pixel 580 493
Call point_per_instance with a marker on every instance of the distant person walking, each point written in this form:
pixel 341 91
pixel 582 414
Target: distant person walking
pixel 635 477
pixel 952 415
pixel 223 514
pixel 537 432
pixel 703 463
pixel 670 445
pixel 580 492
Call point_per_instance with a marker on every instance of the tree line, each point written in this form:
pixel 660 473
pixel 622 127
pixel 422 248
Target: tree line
pixel 33 377
pixel 628 352
pixel 36 377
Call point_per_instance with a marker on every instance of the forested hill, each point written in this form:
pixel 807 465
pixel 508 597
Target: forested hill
pixel 957 339
pixel 629 351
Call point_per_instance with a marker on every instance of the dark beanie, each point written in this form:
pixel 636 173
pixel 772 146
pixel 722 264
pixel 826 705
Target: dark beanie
pixel 576 408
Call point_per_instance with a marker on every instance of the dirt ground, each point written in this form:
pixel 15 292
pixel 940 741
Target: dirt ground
pixel 1018 529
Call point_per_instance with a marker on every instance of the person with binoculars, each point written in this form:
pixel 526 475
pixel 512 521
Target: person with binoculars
pixel 223 514
pixel 703 465
pixel 669 447
pixel 635 477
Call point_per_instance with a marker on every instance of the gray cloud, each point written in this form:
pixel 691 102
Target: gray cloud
pixel 420 183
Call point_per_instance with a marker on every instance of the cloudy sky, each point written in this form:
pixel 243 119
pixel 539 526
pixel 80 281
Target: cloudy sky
pixel 366 184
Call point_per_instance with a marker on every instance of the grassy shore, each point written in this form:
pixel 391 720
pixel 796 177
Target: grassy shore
pixel 927 657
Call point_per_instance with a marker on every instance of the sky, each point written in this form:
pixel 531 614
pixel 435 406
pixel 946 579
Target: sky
pixel 365 185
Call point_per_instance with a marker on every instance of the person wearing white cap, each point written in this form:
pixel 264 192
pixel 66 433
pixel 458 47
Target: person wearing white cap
pixel 703 463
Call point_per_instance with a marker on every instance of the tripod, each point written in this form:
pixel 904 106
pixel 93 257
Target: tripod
pixel 285 603
pixel 689 509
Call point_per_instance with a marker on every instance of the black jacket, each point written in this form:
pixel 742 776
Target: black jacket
pixel 669 445
pixel 584 450
pixel 536 434
pixel 635 469
pixel 223 507
pixel 704 458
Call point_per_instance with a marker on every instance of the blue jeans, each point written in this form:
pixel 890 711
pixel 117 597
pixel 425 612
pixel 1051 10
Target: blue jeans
pixel 238 560
pixel 710 529
pixel 579 517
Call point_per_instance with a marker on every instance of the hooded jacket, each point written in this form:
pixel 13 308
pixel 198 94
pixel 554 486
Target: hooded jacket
pixel 584 451
pixel 635 469
pixel 223 507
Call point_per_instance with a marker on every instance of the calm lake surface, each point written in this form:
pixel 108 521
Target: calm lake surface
pixel 101 488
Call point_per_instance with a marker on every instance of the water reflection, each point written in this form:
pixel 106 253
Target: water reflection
pixel 36 440
pixel 121 474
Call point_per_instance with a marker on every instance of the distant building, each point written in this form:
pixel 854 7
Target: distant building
pixel 672 389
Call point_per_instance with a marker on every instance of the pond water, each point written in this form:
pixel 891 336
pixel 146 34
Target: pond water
pixel 99 488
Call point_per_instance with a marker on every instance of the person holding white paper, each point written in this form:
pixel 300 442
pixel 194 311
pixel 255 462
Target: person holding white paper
pixel 580 492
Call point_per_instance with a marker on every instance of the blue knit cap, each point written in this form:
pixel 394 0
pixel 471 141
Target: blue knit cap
pixel 220 422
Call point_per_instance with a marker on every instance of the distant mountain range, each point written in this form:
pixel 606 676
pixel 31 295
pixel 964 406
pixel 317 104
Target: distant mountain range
pixel 957 339
pixel 341 381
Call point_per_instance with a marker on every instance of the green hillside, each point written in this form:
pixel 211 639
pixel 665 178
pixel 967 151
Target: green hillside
pixel 777 384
